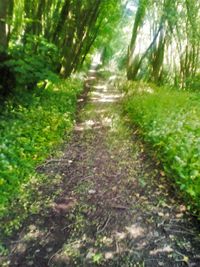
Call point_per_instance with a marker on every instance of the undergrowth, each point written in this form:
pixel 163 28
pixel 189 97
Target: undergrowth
pixel 168 119
pixel 32 124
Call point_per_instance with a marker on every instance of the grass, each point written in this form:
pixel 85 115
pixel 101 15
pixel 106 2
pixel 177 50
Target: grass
pixel 32 124
pixel 168 119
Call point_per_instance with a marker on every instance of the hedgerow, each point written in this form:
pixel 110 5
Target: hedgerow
pixel 169 120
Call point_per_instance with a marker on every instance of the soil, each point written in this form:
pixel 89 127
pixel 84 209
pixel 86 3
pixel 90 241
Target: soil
pixel 115 206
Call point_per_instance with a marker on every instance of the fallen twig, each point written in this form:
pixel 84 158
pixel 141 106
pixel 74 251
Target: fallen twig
pixel 50 259
pixel 119 207
pixel 104 225
pixel 68 226
pixel 180 227
pixel 54 161
pixel 179 231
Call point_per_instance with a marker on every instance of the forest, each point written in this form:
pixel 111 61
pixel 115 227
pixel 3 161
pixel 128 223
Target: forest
pixel 99 126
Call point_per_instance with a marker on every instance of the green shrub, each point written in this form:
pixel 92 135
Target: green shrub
pixel 33 61
pixel 193 83
pixel 169 120
pixel 31 126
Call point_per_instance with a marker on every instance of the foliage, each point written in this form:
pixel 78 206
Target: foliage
pixel 33 32
pixel 31 126
pixel 169 120
pixel 34 61
pixel 170 36
pixel 108 40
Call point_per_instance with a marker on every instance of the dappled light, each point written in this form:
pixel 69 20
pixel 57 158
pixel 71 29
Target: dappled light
pixel 135 231
pixel 96 60
pixel 108 98
pixel 104 88
pixel 99 133
pixel 104 94
pixel 146 89
pixel 110 207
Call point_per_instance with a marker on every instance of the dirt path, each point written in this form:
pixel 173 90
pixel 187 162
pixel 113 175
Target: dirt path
pixel 114 208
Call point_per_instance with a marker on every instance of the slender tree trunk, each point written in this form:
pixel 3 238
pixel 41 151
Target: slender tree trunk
pixel 62 21
pixel 157 60
pixel 10 17
pixel 79 35
pixel 85 36
pixel 137 63
pixel 88 47
pixel 38 18
pixel 3 16
pixel 137 24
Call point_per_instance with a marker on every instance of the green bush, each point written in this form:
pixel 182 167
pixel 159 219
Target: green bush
pixel 193 83
pixel 169 120
pixel 33 61
pixel 31 126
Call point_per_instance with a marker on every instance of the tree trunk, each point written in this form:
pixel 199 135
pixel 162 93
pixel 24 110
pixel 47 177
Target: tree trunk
pixel 157 59
pixel 3 16
pixel 61 22
pixel 140 14
pixel 38 18
pixel 79 35
pixel 135 66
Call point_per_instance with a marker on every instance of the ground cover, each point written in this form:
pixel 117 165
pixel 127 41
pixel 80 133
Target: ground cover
pixel 113 208
pixel 32 124
pixel 168 119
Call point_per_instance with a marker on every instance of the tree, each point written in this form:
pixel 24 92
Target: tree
pixel 35 26
pixel 132 67
pixel 172 45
